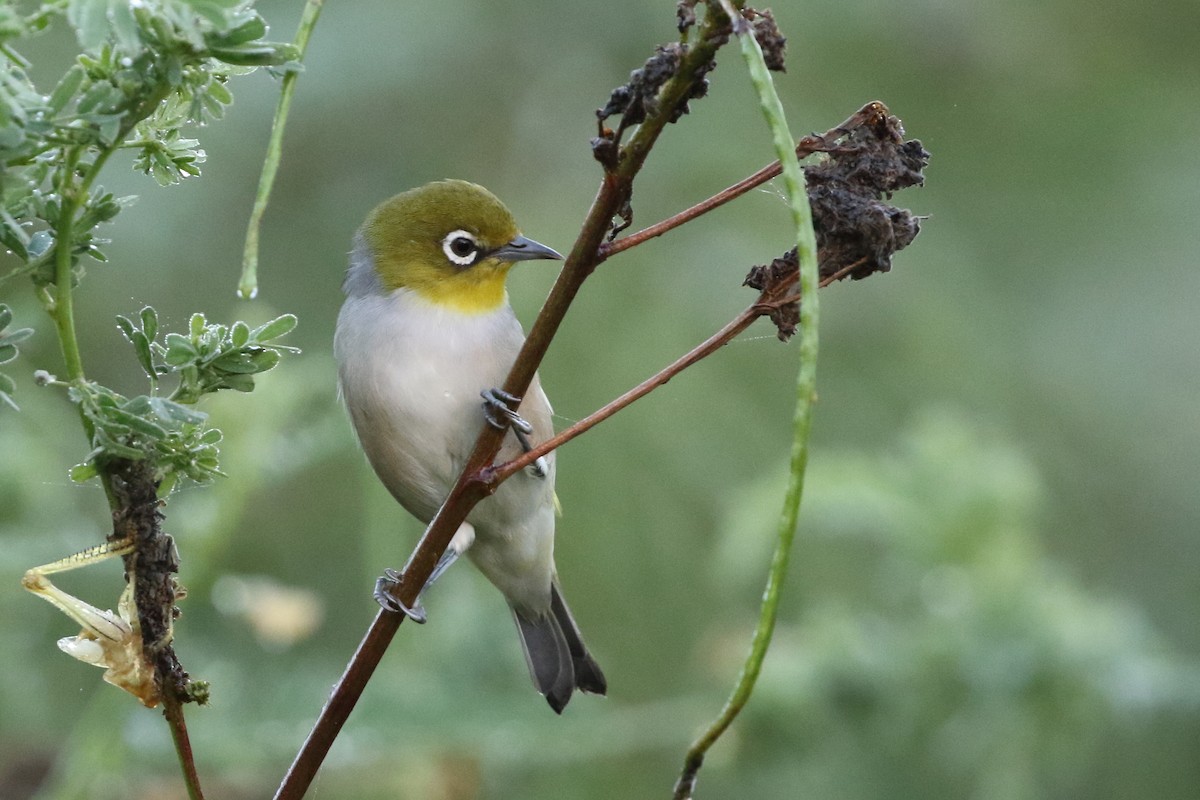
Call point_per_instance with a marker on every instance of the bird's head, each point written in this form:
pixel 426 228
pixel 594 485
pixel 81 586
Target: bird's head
pixel 451 242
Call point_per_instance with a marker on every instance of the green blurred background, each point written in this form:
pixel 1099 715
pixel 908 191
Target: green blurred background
pixel 994 589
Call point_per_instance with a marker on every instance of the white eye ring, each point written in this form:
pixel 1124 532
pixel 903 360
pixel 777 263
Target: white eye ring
pixel 461 248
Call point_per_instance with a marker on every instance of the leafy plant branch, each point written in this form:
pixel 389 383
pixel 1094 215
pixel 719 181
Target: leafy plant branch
pixel 144 73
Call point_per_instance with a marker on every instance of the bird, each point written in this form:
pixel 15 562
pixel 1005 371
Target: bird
pixel 425 330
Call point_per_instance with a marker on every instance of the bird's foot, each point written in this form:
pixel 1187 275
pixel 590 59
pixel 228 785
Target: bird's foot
pixel 389 601
pixel 499 411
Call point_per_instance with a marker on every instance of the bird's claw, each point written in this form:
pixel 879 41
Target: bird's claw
pixel 499 409
pixel 389 602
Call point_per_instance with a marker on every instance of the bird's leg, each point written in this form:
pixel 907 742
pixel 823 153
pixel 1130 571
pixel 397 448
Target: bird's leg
pixel 464 537
pixel 389 602
pixel 498 410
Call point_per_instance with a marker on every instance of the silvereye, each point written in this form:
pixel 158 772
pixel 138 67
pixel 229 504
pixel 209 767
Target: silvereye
pixel 425 328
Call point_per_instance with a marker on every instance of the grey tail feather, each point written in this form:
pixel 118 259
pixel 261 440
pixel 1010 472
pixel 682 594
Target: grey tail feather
pixel 548 657
pixel 558 660
pixel 588 675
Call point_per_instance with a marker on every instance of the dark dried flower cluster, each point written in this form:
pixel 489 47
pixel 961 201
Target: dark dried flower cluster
pixel 772 42
pixel 777 281
pixel 638 98
pixel 856 228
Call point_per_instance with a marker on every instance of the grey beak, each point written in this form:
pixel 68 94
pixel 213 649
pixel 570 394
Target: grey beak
pixel 524 249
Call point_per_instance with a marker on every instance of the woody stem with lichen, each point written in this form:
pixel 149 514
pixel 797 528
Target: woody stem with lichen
pixel 61 308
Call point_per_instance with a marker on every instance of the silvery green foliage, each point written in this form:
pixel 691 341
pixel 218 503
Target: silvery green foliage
pixel 168 430
pixel 146 71
pixel 8 352
pixel 146 74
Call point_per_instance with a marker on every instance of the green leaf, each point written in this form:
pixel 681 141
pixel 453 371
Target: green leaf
pixel 98 99
pixel 215 11
pixel 275 328
pixel 218 92
pixel 264 360
pixel 137 405
pixel 150 322
pixel 179 350
pixel 19 335
pixel 237 362
pixel 125 27
pixel 137 424
pixel 90 20
pixel 80 473
pixel 189 376
pixel 239 382
pixel 109 127
pixel 253 28
pixel 170 411
pixel 256 55
pixel 8 352
pixel 141 347
pixel 107 446
pixel 66 89
pixel 167 484
pixel 126 326
pixel 197 325
pixel 40 243
pixel 5 316
pixel 7 384
pixel 239 334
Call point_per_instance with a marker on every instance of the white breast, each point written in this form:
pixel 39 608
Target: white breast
pixel 410 373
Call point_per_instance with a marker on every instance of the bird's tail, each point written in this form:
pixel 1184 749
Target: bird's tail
pixel 559 661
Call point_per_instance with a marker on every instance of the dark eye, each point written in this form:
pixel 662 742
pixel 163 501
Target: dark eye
pixel 461 248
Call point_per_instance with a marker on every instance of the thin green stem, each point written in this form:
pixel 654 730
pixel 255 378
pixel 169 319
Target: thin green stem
pixel 63 308
pixel 806 250
pixel 248 283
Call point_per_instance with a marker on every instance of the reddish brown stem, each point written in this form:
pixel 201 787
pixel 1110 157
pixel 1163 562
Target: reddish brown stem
pixel 173 713
pixel 337 709
pixel 494 476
